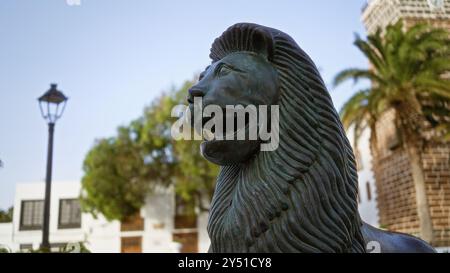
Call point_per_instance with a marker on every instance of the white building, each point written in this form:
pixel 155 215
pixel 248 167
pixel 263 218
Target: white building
pixel 380 13
pixel 155 229
pixel 367 194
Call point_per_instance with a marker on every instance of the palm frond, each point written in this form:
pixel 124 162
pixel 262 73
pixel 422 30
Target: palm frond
pixel 406 64
pixel 371 52
pixel 356 74
pixel 354 108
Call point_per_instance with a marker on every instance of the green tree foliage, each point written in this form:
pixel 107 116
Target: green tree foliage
pixel 6 215
pixel 194 176
pixel 112 183
pixel 120 171
pixel 409 74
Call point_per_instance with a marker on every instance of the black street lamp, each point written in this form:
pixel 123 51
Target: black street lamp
pixel 52 105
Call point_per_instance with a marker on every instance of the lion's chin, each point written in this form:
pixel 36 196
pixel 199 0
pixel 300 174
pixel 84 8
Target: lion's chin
pixel 229 152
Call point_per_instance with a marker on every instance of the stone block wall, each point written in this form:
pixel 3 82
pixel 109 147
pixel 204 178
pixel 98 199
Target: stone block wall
pixel 396 196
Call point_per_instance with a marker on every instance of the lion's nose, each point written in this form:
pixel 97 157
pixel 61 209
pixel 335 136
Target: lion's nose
pixel 194 92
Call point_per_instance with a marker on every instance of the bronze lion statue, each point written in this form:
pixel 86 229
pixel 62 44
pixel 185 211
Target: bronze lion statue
pixel 302 196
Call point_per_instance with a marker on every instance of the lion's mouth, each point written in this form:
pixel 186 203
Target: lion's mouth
pixel 229 127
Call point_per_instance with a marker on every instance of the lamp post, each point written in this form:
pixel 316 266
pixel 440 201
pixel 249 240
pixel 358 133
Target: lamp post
pixel 52 105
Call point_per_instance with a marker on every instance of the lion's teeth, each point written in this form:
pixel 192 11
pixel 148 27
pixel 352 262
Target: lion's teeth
pixel 208 135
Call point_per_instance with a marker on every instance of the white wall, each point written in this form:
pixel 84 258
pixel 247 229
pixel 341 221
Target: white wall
pixel 158 213
pixel 101 235
pixel 98 234
pixel 367 208
pixel 203 238
pixel 35 191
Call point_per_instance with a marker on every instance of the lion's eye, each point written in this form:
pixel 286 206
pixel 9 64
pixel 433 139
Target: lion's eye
pixel 223 70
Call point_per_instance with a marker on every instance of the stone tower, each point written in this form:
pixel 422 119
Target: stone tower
pixel 396 196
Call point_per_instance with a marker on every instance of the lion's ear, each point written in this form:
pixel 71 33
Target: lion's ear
pixel 262 44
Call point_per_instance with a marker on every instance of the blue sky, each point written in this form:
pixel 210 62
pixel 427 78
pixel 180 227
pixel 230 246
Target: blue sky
pixel 112 57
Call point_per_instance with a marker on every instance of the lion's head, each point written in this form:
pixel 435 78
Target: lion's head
pixel 302 196
pixel 239 78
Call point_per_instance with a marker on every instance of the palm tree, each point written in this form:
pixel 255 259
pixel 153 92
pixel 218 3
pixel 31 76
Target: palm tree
pixel 409 74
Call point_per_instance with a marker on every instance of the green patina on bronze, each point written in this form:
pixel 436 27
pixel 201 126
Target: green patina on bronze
pixel 302 197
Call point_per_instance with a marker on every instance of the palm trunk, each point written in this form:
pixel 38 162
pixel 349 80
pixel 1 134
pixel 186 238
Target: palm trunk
pixel 423 209
pixel 411 121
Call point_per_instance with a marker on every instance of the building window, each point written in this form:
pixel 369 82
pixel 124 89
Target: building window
pixel 188 241
pixel 26 247
pixel 369 192
pixel 32 215
pixel 69 214
pixel 132 223
pixel 131 244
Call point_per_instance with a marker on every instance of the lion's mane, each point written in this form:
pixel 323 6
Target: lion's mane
pixel 301 197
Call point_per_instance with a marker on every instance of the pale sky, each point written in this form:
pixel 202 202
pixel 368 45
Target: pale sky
pixel 112 57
